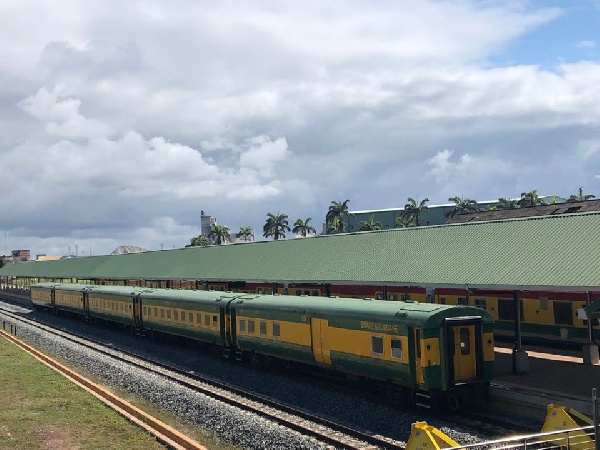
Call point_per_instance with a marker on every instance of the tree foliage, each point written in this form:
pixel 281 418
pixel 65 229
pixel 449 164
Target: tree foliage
pixel 462 206
pixel 338 211
pixel 276 226
pixel 220 233
pixel 198 241
pixel 303 228
pixel 404 222
pixel 414 210
pixel 580 197
pixel 370 225
pixel 530 198
pixel 246 233
pixel 507 203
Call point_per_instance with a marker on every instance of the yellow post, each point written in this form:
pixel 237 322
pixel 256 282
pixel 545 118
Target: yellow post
pixel 426 437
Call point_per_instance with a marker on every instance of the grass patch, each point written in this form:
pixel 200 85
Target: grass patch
pixel 42 410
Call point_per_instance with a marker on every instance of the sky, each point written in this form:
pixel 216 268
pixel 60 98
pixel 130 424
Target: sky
pixel 122 121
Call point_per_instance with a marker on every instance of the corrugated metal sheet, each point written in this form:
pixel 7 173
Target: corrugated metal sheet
pixel 559 251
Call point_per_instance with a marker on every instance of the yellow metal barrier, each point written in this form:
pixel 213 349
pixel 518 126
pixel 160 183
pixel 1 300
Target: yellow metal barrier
pixel 562 418
pixel 426 437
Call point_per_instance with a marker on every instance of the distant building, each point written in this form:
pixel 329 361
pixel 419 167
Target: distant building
pixel 20 255
pixel 207 224
pixel 542 210
pixel 44 257
pixel 123 249
pixel 435 214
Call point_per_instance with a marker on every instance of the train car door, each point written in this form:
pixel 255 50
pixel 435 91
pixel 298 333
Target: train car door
pixel 464 348
pixel 137 311
pixel 318 332
pixel 418 367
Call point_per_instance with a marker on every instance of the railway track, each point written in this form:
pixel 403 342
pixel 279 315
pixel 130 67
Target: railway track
pixel 489 426
pixel 307 424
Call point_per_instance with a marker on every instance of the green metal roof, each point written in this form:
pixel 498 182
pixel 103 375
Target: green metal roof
pixel 550 251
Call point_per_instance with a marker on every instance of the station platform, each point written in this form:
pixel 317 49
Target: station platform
pixel 555 376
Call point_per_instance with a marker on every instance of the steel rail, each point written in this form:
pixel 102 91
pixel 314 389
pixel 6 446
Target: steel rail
pixel 246 401
pixel 160 430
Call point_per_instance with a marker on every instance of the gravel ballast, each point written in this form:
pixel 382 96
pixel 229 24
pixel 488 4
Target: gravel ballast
pixel 230 424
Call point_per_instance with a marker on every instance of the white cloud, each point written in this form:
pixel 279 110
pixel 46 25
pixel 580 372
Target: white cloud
pixel 262 153
pixel 586 44
pixel 442 168
pixel 119 120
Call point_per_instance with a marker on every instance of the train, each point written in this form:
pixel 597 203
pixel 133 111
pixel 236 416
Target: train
pixel 439 354
pixel 548 317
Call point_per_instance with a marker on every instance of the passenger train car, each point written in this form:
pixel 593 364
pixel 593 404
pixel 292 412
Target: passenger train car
pixel 547 317
pixel 434 351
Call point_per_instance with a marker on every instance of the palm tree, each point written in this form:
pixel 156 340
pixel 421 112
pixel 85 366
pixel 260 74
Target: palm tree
pixel 198 241
pixel 370 225
pixel 580 197
pixel 335 226
pixel 507 203
pixel 337 210
pixel 247 233
pixel 276 225
pixel 404 222
pixel 462 206
pixel 302 227
pixel 220 233
pixel 414 210
pixel 530 199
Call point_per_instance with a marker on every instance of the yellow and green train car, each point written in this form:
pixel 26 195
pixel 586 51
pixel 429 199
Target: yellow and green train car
pixel 423 346
pixel 427 348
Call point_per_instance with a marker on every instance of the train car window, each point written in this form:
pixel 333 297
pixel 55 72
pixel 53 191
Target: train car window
pixel 198 318
pixel 276 330
pixel 397 349
pixel 162 313
pixel 465 341
pixel 130 307
pixel 418 342
pixel 377 345
pixel 563 313
pixel 251 327
pixel 263 328
pixel 505 309
pixel 176 315
pixel 543 303
pixel 190 317
pixel 168 313
pixel 215 321
pixel 207 320
pixel 462 301
pixel 481 303
pixel 242 325
pixel 155 312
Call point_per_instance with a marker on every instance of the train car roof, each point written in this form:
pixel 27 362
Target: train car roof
pixel 412 313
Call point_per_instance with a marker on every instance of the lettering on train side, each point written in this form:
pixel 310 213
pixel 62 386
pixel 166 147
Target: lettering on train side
pixel 375 326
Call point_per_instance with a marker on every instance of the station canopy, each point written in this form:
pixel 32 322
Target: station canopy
pixel 550 252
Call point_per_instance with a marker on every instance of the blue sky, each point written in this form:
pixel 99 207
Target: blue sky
pixel 121 121
pixel 574 35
